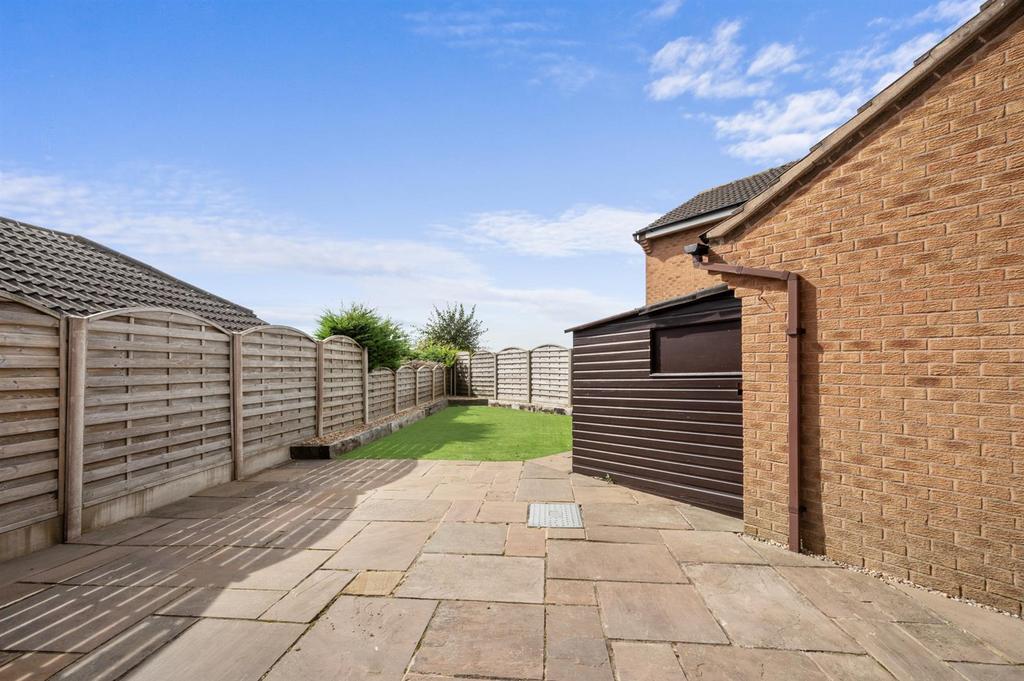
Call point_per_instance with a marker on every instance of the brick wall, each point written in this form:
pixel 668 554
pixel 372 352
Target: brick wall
pixel 911 251
pixel 668 270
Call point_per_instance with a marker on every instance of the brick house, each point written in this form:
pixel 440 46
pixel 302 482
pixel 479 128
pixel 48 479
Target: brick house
pixel 902 233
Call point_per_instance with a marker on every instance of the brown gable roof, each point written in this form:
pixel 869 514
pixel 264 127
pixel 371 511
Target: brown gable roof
pixel 989 22
pixel 73 275
pixel 723 196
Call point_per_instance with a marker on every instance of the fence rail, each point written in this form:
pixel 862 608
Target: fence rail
pixel 539 376
pixel 102 417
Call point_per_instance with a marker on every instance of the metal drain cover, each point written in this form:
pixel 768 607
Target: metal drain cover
pixel 554 515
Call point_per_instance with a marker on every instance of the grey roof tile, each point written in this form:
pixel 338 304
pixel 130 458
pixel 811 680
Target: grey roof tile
pixel 717 198
pixel 73 275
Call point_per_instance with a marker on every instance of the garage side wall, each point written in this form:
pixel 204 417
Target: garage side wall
pixel 912 295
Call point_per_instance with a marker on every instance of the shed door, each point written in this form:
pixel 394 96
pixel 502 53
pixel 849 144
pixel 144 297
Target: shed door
pixel 660 408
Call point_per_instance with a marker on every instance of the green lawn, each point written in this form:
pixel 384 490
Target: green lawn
pixel 476 434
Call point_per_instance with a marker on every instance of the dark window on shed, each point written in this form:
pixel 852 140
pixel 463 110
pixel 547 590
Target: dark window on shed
pixel 696 349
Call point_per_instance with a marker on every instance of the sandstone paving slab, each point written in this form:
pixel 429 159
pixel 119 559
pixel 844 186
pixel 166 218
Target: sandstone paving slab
pixel 1000 632
pixel 287 510
pixel 845 667
pixel 460 491
pixel 76 567
pixel 709 521
pixel 566 533
pixel 137 566
pixel 374 583
pixel 475 578
pixel 601 495
pixel 575 645
pixel 236 488
pixel 401 510
pixel 211 532
pixel 24 567
pixel 526 541
pixel 989 672
pixel 12 593
pixel 122 531
pixel 636 661
pixel 421 492
pixel 35 666
pixel 484 639
pixel 731 663
pixel 227 603
pixel 689 546
pixel 541 489
pixel 462 512
pixel 657 516
pixel 77 619
pixel 758 608
pixel 612 562
pixel 317 534
pixel 624 535
pixel 656 612
pixel 952 644
pixel 569 592
pixel 580 480
pixel 249 568
pixel 502 512
pixel 383 546
pixel 467 538
pixel 842 593
pixel 226 650
pixel 358 638
pixel 305 601
pixel 196 507
pixel 120 654
pixel 537 471
pixel 902 655
pixel 280 474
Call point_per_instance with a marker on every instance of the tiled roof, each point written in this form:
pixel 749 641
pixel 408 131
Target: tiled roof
pixel 718 198
pixel 73 275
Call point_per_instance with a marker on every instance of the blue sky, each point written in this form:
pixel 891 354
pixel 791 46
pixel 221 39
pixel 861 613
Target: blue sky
pixel 296 155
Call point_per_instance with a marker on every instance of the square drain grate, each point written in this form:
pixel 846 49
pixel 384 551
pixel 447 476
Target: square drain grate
pixel 554 515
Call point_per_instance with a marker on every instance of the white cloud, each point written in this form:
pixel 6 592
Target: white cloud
pixel 666 9
pixel 876 66
pixel 774 131
pixel 565 72
pixel 581 230
pixel 951 13
pixel 774 58
pixel 703 68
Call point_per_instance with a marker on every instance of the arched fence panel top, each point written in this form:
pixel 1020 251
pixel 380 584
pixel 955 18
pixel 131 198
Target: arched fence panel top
pixel 158 313
pixel 385 370
pixel 343 340
pixel 550 346
pixel 511 349
pixel 277 330
pixel 31 375
pixel 34 305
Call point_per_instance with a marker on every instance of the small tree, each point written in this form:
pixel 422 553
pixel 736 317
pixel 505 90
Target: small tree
pixel 386 342
pixel 435 352
pixel 452 325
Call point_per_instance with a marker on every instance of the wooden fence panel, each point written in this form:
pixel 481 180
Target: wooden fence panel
pixel 461 371
pixel 382 393
pixel 482 368
pixel 549 375
pixel 425 384
pixel 405 382
pixel 514 375
pixel 437 390
pixel 278 388
pixel 31 353
pixel 342 402
pixel 157 400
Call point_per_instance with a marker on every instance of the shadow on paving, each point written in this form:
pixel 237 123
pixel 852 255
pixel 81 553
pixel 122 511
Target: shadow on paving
pixel 147 579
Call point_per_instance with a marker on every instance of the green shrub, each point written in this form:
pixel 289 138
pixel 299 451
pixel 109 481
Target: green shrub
pixel 435 352
pixel 386 342
pixel 453 325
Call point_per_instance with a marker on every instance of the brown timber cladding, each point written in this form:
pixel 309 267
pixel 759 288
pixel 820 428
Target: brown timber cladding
pixel 676 436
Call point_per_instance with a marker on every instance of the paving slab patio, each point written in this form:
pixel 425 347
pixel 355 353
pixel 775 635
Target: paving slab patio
pixel 426 571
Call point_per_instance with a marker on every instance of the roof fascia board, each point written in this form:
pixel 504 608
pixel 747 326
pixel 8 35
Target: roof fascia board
pixel 690 223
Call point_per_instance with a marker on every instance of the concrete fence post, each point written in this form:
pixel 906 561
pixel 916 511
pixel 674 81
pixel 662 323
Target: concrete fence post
pixel 321 352
pixel 366 386
pixel 237 425
pixel 74 424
